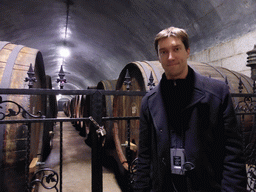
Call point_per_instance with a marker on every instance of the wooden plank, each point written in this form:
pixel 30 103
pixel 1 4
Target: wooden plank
pixel 32 166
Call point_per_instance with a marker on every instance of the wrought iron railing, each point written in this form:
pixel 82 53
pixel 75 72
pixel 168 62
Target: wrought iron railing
pixel 49 178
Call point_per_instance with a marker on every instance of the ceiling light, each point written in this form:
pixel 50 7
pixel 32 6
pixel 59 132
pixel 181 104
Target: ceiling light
pixel 64 52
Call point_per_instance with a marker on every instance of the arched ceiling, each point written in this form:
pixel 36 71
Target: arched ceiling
pixel 102 36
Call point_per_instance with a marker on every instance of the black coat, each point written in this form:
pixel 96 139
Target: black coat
pixel 212 142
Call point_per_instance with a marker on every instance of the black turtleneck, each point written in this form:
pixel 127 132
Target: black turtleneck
pixel 176 96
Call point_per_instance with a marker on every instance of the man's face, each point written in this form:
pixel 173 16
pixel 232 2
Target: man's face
pixel 173 57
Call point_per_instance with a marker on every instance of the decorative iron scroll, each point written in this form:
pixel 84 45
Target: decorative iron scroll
pixel 49 179
pixel 251 178
pixel 20 109
pixel 133 170
pixel 248 105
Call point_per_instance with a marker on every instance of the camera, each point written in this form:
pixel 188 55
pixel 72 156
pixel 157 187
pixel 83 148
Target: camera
pixel 177 160
pixel 178 164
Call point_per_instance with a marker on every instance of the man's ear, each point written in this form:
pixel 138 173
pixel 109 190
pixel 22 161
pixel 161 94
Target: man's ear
pixel 188 51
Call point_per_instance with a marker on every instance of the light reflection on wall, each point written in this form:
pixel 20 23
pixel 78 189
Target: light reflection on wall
pixel 65 34
pixel 59 97
pixel 64 52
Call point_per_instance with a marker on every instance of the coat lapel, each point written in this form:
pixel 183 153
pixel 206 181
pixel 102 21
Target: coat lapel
pixel 157 110
pixel 156 105
pixel 199 92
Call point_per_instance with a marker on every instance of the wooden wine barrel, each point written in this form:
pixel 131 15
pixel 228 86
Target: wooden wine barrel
pixel 85 130
pixel 50 112
pixel 82 113
pixel 66 108
pixel 107 103
pixel 107 110
pixel 72 107
pixel 130 105
pixel 15 61
pixel 232 78
pixel 77 108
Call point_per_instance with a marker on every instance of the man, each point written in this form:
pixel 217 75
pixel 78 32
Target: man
pixel 188 138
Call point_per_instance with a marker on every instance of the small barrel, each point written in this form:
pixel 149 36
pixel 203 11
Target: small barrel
pixel 130 105
pixel 15 61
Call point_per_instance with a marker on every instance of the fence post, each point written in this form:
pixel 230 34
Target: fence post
pixel 96 111
pixel 28 157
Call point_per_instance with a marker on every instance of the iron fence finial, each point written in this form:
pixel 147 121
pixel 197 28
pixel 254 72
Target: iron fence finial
pixel 61 80
pixel 31 79
pixel 127 81
pixel 151 83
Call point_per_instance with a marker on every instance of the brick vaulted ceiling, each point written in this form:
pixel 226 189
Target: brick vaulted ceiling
pixel 102 36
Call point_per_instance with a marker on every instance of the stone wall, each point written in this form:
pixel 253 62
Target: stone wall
pixel 231 54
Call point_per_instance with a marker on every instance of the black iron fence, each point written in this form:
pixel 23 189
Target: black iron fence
pixel 49 178
pixel 246 115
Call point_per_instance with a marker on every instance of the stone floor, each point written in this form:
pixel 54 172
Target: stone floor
pixel 76 163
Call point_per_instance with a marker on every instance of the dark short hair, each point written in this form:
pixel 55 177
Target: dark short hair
pixel 175 32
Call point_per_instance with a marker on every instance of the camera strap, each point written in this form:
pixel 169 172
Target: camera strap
pixel 177 141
